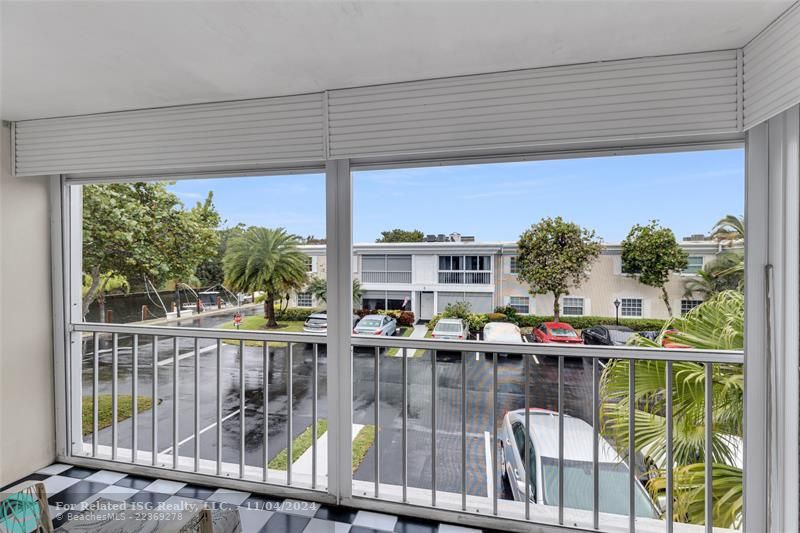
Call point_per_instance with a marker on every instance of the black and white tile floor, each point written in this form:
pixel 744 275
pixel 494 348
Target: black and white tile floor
pixel 72 486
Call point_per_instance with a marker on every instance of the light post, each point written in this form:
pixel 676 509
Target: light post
pixel 616 305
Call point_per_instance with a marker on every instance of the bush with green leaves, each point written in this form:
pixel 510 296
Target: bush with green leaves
pixel 497 317
pixel 584 322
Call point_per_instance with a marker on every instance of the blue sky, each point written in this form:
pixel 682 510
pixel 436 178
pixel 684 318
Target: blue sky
pixel 686 191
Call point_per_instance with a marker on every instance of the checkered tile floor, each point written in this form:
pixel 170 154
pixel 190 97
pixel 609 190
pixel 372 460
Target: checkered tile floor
pixel 71 487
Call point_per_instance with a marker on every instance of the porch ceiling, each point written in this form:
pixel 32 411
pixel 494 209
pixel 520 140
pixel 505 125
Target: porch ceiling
pixel 76 58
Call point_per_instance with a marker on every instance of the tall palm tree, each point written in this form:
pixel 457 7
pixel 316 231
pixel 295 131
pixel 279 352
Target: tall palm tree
pixel 728 229
pixel 265 259
pixel 319 289
pixel 716 324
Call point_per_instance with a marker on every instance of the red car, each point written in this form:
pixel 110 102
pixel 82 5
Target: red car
pixel 556 332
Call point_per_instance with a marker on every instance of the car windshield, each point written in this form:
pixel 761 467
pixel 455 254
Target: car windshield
pixel 317 322
pixel 578 493
pixel 448 327
pixel 563 332
pixel 618 336
pixel 370 323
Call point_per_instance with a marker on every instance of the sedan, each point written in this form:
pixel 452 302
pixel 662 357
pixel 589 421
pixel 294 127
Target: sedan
pixel 318 322
pixel 450 328
pixel 542 477
pixel 607 335
pixel 559 332
pixel 376 325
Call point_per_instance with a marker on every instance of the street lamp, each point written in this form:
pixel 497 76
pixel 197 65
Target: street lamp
pixel 616 304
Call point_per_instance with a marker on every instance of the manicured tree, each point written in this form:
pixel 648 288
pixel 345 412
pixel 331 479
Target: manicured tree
pixel 265 259
pixel 134 231
pixel 319 289
pixel 651 253
pixel 401 235
pixel 554 256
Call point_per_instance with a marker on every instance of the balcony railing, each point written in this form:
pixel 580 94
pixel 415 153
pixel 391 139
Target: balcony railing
pixel 218 394
pixel 386 277
pixel 465 277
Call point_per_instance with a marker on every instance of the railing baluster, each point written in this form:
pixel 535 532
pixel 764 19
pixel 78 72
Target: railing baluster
pixel 265 386
pixel 527 452
pixel 560 439
pixel 314 418
pixel 434 386
pixel 241 409
pixel 114 394
pixel 95 395
pixel 669 459
pixel 377 400
pixel 708 455
pixel 175 392
pixel 135 399
pixel 595 445
pixel 219 407
pixel 494 433
pixel 289 454
pixel 155 401
pixel 631 446
pixel 405 427
pixel 463 431
pixel 197 405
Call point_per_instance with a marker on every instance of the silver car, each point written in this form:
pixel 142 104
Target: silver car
pixel 376 325
pixel 543 472
pixel 318 322
pixel 450 328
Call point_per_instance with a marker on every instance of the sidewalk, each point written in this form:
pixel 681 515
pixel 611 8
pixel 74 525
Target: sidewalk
pixel 419 331
pixel 303 463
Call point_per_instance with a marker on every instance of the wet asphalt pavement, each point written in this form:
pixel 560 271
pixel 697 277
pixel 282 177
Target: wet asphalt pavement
pixel 479 421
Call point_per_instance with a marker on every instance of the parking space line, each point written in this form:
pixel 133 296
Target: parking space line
pixel 187 354
pixel 489 469
pixel 535 359
pixel 190 437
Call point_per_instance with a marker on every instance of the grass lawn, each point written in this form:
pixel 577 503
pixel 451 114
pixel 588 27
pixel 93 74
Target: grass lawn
pixel 407 330
pixel 299 446
pixel 104 414
pixel 259 323
pixel 361 444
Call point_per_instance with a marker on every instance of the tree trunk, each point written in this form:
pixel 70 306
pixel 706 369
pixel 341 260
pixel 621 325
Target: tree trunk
pixel 94 287
pixel 665 297
pixel 101 302
pixel 270 309
pixel 266 307
pixel 556 307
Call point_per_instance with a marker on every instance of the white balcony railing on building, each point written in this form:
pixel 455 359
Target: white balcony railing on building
pixel 255 398
pixel 386 277
pixel 465 277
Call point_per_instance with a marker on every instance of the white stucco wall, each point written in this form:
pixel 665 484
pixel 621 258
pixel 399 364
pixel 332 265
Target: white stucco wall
pixel 27 428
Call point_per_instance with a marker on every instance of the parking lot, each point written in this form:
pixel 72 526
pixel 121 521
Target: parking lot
pixel 479 419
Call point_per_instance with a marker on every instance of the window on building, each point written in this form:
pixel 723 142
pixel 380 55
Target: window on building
pixel 514 265
pixel 572 306
pixel 688 305
pixel 304 299
pixel 521 304
pixel 630 307
pixel 386 300
pixel 695 264
pixel 309 264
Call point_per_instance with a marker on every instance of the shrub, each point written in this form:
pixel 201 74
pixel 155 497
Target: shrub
pixel 497 317
pixel 507 310
pixel 294 313
pixel 404 318
pixel 583 322
pixel 457 310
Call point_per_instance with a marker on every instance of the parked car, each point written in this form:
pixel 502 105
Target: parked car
pixel 376 325
pixel 556 332
pixel 665 342
pixel 318 322
pixel 607 335
pixel 542 476
pixel 502 332
pixel 450 328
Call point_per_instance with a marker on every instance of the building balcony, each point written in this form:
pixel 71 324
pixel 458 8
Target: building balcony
pixel 465 277
pixel 386 277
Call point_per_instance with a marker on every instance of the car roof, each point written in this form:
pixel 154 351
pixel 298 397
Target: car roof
pixel 616 328
pixel 501 331
pixel 557 325
pixel 318 315
pixel 373 316
pixel 458 321
pixel 578 437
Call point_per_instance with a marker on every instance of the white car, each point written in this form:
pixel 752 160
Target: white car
pixel 450 328
pixel 542 475
pixel 502 332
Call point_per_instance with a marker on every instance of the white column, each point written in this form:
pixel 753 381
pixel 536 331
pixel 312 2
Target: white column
pixel 339 232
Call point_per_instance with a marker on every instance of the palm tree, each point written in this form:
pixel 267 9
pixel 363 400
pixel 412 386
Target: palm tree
pixel 717 324
pixel 725 272
pixel 265 259
pixel 729 229
pixel 319 289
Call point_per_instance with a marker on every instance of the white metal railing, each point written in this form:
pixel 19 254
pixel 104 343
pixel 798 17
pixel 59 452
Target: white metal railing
pixel 386 277
pixel 516 514
pixel 168 340
pixel 465 277
pixel 596 354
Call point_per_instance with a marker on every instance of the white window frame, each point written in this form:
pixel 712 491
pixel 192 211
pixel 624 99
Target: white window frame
pixel 304 294
pixel 696 302
pixel 513 265
pixel 527 304
pixel 687 272
pixel 622 306
pixel 564 305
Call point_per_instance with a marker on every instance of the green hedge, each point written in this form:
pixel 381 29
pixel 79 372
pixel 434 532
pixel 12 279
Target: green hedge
pixel 583 322
pixel 295 313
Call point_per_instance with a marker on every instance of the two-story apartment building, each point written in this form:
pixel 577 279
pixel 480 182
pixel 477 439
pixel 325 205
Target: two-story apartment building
pixel 424 277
